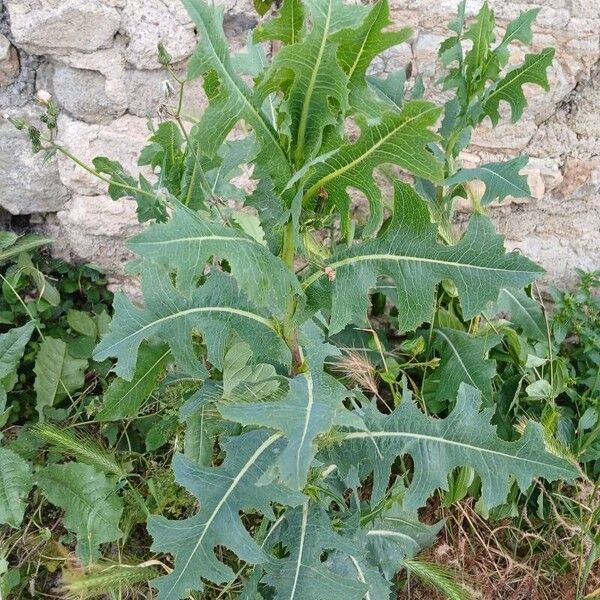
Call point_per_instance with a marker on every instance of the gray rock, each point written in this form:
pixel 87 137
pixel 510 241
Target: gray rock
pixel 9 61
pixel 94 229
pixel 27 183
pixel 122 140
pixel 146 92
pixel 87 95
pixel 148 22
pixel 53 26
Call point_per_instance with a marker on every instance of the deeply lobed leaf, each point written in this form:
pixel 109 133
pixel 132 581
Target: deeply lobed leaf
pixel 217 309
pixel 223 492
pixel 409 254
pixel 400 138
pixel 187 241
pixel 438 446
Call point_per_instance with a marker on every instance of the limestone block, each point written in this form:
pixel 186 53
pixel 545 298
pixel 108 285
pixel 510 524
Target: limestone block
pixel 581 176
pixel 122 140
pixel 426 55
pixel 108 61
pixel 548 170
pixel 585 119
pixel 53 26
pixel 560 234
pixel 27 183
pixel 94 229
pixel 392 60
pixel 506 136
pixel 148 22
pixel 87 95
pixel 9 62
pixel 146 92
pixel 585 9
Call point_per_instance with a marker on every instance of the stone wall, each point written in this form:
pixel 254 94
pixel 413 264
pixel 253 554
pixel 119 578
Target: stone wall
pixel 98 59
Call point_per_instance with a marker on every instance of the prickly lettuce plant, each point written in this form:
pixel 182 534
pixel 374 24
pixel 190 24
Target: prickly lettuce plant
pixel 311 484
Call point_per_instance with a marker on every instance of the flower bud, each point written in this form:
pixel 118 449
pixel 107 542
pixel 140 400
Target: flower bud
pixel 43 97
pixel 164 58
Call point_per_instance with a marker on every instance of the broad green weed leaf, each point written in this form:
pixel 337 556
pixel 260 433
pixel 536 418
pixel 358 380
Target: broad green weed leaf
pixel 15 483
pixel 394 536
pixel 25 243
pixel 501 179
pixel 82 323
pixel 438 446
pixel 390 89
pixel 313 403
pixel 123 398
pixel 187 241
pixel 464 359
pixel 244 381
pixel 521 310
pixel 481 33
pixel 230 99
pixel 357 49
pixel 165 152
pixel 510 88
pixel 122 185
pixel 57 374
pixel 316 87
pixel 517 30
pixel 410 255
pixel 302 575
pixel 12 346
pixel 92 507
pixel 223 492
pixel 400 139
pixel 217 309
pixel 285 27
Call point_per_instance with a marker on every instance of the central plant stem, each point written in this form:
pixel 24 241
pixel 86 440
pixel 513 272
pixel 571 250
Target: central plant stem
pixel 290 332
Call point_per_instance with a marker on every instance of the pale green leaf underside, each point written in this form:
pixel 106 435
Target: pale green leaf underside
pixel 438 446
pixel 92 507
pixel 409 254
pixel 187 241
pixel 223 492
pixel 217 310
pixel 15 483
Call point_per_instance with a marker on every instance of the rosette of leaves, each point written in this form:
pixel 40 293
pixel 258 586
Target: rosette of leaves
pixel 246 297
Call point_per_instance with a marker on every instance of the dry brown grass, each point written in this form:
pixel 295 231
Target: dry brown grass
pixel 498 561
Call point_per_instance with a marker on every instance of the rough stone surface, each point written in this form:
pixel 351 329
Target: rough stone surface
pixel 97 105
pixel 98 227
pixel 26 185
pixel 99 60
pixel 148 22
pixel 53 26
pixel 9 61
pixel 122 140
